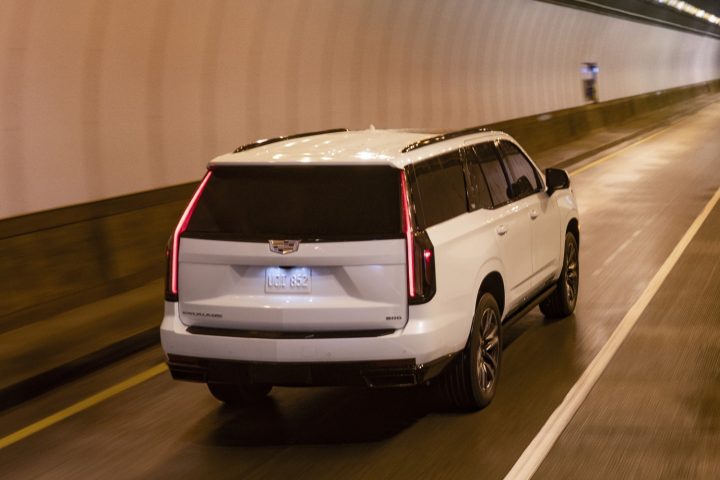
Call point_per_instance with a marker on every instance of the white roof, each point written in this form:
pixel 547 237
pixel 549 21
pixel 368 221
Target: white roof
pixel 350 148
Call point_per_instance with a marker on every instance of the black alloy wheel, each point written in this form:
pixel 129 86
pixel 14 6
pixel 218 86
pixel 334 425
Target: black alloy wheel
pixel 561 303
pixel 469 383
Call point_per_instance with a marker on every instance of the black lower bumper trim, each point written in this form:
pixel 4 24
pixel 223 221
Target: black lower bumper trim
pixel 382 373
pixel 231 332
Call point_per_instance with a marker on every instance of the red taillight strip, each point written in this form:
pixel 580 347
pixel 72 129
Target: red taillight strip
pixel 409 237
pixel 181 227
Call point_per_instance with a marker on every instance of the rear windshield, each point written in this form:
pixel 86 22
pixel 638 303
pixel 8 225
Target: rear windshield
pixel 328 203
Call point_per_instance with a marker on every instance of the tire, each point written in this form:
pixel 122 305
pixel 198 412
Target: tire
pixel 562 301
pixel 469 382
pixel 239 395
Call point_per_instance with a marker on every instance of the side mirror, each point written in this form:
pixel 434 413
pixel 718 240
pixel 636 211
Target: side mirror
pixel 556 179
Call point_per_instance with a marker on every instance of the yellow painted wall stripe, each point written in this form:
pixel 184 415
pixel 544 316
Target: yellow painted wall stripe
pixel 82 405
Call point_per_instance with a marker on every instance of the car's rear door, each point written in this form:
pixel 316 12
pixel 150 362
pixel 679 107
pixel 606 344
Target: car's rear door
pixel 305 250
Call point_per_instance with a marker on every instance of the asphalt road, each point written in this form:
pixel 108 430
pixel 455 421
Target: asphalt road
pixel 635 206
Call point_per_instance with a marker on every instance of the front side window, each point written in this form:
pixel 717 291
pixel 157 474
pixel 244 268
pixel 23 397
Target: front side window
pixel 439 190
pixel 523 177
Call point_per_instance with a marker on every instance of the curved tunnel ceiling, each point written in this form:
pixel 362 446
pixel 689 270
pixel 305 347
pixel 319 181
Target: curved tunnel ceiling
pixel 654 12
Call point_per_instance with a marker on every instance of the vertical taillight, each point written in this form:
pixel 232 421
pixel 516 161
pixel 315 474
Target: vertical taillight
pixel 173 249
pixel 409 234
pixel 420 254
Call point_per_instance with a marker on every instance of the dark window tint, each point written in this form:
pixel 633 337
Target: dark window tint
pixel 439 190
pixel 478 191
pixel 307 203
pixel 495 176
pixel 522 174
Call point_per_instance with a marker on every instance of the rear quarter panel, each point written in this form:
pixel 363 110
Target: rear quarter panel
pixel 465 252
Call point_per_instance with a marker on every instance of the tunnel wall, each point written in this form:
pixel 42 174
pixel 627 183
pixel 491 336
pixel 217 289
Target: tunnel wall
pixel 106 98
pixel 88 101
pixel 57 259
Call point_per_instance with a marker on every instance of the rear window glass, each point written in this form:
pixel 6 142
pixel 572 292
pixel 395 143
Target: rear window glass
pixel 327 203
pixel 439 189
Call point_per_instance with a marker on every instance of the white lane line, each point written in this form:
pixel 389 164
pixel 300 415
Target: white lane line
pixel 616 253
pixel 535 453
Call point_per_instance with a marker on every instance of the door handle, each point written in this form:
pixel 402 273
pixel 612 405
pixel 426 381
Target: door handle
pixel 501 230
pixel 533 214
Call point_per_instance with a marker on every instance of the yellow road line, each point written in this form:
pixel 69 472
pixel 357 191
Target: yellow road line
pixel 608 157
pixel 82 405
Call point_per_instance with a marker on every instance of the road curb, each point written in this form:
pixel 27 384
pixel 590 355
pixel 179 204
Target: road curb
pixel 29 388
pixel 636 134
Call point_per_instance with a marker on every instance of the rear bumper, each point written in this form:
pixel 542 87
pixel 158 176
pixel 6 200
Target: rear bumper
pixel 386 373
pixel 408 356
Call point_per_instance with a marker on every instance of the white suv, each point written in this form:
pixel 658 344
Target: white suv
pixel 375 258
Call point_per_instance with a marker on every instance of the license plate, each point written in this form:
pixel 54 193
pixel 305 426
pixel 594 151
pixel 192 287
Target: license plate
pixel 288 280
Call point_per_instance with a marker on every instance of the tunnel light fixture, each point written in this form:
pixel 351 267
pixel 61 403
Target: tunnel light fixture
pixel 689 9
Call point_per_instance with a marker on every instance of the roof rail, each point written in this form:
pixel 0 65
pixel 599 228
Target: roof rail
pixel 445 136
pixel 266 141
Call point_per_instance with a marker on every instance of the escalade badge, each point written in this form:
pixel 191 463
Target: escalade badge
pixel 283 247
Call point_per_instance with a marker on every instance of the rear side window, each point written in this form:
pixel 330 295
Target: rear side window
pixel 524 179
pixel 478 191
pixel 328 203
pixel 439 190
pixel 496 179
